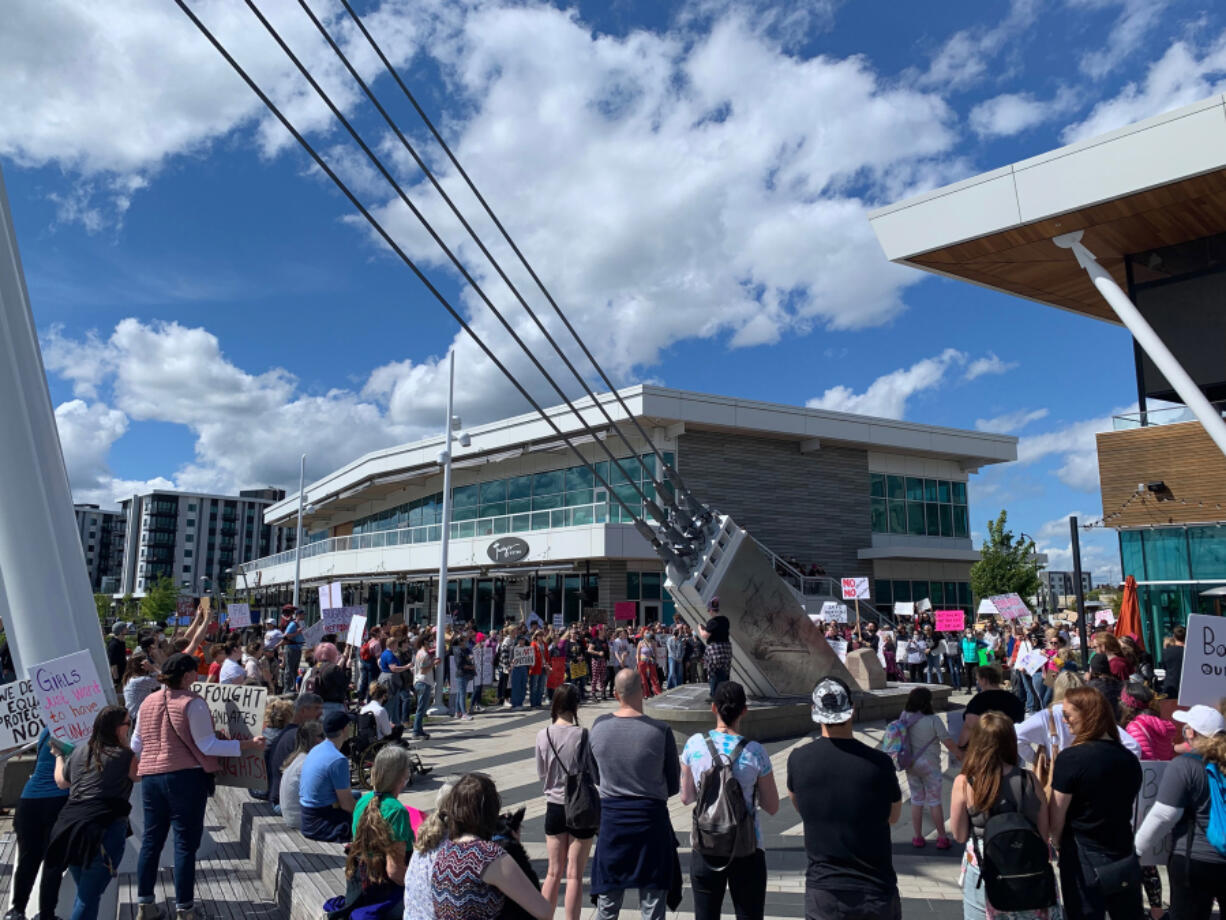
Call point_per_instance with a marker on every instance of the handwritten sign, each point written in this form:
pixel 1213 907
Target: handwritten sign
pixel 840 648
pixel 69 694
pixel 523 657
pixel 950 621
pixel 904 609
pixel 336 619
pixel 854 588
pixel 313 634
pixel 1032 662
pixel 330 596
pixel 1104 618
pixel 834 612
pixel 238 714
pixel 1009 606
pixel 1204 661
pixel 357 626
pixel 20 721
pixel 1151 778
pixel 240 616
pixel 558 621
pixel 625 610
pixel 484 657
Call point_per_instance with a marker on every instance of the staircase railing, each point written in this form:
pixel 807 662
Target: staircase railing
pixel 821 586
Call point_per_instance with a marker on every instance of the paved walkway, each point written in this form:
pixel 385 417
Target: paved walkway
pixel 500 743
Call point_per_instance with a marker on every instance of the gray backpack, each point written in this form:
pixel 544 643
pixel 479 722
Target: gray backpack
pixel 723 827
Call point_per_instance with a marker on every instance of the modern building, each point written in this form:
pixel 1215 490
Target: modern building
pixel 1062 585
pixel 1127 228
pixel 102 537
pixel 196 538
pixel 533 531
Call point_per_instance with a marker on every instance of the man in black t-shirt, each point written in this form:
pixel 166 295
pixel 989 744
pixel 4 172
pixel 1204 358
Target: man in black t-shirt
pixel 1172 662
pixel 847 795
pixel 990 698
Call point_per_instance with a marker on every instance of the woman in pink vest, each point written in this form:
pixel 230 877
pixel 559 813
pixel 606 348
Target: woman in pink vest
pixel 178 757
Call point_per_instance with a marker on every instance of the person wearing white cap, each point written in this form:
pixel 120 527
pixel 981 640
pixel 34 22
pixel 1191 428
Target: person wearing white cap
pixel 1197 869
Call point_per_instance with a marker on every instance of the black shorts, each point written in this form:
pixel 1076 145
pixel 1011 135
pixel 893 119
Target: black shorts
pixel 555 823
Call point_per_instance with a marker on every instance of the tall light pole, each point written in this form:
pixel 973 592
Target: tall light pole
pixel 445 539
pixel 298 541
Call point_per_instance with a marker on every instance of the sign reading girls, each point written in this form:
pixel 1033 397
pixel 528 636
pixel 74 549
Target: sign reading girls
pixel 69 694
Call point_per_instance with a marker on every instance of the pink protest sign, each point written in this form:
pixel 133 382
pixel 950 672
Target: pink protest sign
pixel 1009 606
pixel 625 610
pixel 950 621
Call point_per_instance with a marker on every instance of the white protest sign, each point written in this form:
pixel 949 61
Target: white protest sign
pixel 1032 661
pixel 840 648
pixel 330 596
pixel 1204 662
pixel 854 588
pixel 558 621
pixel 69 694
pixel 357 626
pixel 1104 618
pixel 834 612
pixel 239 616
pixel 1151 778
pixel 238 714
pixel 336 619
pixel 904 608
pixel 523 657
pixel 313 634
pixel 484 655
pixel 923 606
pixel 20 721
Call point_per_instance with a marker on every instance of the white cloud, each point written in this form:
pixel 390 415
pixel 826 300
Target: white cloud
pixel 1181 76
pixel 1100 555
pixel 1013 113
pixel 1010 421
pixel 966 57
pixel 988 364
pixel 1075 445
pixel 1136 19
pixel 86 435
pixel 886 397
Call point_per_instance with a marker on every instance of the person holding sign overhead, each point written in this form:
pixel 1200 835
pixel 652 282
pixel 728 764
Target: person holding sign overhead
pixel 178 753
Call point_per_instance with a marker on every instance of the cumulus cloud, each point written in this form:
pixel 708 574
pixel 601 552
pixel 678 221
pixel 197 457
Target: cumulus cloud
pixel 1136 19
pixel 87 432
pixel 1010 421
pixel 967 56
pixel 887 396
pixel 988 364
pixel 1012 113
pixel 1100 555
pixel 1075 446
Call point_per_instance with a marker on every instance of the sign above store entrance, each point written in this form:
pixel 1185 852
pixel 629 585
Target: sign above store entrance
pixel 508 549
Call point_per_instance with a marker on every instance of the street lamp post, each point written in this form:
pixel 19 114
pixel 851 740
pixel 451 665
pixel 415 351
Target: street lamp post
pixel 298 540
pixel 444 458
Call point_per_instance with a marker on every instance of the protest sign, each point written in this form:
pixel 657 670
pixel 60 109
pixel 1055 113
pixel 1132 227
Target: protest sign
pixel 330 596
pixel 1159 853
pixel 854 588
pixel 357 626
pixel 625 610
pixel 950 621
pixel 1104 618
pixel 1204 662
pixel 834 612
pixel 1009 606
pixel 923 606
pixel 69 694
pixel 240 616
pixel 1032 661
pixel 186 607
pixel 313 634
pixel 558 621
pixel 20 721
pixel 523 657
pixel 904 609
pixel 484 656
pixel 840 648
pixel 336 619
pixel 238 714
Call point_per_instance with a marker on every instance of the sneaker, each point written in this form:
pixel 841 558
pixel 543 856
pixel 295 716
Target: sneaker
pixel 919 843
pixel 943 843
pixel 149 910
pixel 420 736
pixel 466 718
pixel 15 914
pixel 189 913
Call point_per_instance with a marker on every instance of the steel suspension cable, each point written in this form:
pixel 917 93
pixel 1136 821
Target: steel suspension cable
pixel 655 510
pixel 643 527
pixel 675 480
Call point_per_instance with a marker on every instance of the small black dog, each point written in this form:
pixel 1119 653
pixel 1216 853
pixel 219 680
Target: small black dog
pixel 507 837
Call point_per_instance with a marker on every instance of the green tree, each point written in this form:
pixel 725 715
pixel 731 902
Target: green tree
pixel 103 602
pixel 160 600
pixel 1006 564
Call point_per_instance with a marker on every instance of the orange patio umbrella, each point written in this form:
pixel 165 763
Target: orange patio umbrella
pixel 1129 621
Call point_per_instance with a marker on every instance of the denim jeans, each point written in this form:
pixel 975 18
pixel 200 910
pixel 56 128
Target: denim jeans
pixel 172 800
pixel 953 664
pixel 92 880
pixel 519 686
pixel 459 696
pixel 289 678
pixel 370 672
pixel 675 678
pixel 424 694
pixel 652 904
pixel 933 674
pixel 715 678
pixel 1042 692
pixel 538 688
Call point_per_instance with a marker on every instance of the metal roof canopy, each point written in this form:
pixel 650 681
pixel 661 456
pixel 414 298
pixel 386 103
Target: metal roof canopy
pixel 1156 183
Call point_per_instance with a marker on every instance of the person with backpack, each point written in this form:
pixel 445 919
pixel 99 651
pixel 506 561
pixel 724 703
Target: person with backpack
pixel 999 810
pixel 563 762
pixel 726 777
pixel 1192 803
pixel 918 734
pixel 1094 786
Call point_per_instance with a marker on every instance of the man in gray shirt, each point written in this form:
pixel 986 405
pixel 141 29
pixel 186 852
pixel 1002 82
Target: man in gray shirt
pixel 639 771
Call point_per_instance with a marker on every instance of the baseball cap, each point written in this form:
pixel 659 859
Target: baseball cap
pixel 1204 720
pixel 335 722
pixel 831 702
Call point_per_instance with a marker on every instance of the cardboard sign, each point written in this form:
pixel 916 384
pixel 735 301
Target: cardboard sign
pixel 1204 662
pixel 523 657
pixel 238 714
pixel 834 612
pixel 240 616
pixel 558 621
pixel 1104 617
pixel 1151 778
pixel 20 720
pixel 854 588
pixel 1009 606
pixel 336 619
pixel 330 596
pixel 357 626
pixel 950 621
pixel 626 610
pixel 904 609
pixel 313 634
pixel 69 694
pixel 840 648
pixel 484 657
pixel 923 606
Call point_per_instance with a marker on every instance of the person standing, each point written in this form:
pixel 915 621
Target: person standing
pixel 971 645
pixel 291 649
pixel 464 669
pixel 424 664
pixel 37 810
pixel 951 648
pixel 647 665
pixel 178 753
pixel 519 672
pixel 598 650
pixel 917 656
pixel 1094 785
pixel 368 655
pixel 117 653
pixel 744 876
pixel 675 645
pixel 932 673
pixel 536 673
pixel 717 634
pixel 639 772
pixel 990 698
pixel 1172 662
pixel 926 732
pixel 847 835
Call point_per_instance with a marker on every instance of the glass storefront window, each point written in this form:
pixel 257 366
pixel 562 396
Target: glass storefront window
pixel 898 517
pixel 915 489
pixel 947 520
pixel 1166 554
pixel 884 591
pixel 961 522
pixel 930 490
pixel 915 519
pixel 959 493
pixel 1207 551
pixel 880 516
pixel 632 586
pixel 876 485
pixel 895 488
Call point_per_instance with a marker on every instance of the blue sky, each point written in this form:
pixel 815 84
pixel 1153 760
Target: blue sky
pixel 691 179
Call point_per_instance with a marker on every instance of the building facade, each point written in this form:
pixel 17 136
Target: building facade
pixel 533 529
pixel 102 539
pixel 195 538
pixel 1062 585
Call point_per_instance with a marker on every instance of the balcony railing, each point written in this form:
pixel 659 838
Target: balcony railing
pixel 1167 415
pixel 575 516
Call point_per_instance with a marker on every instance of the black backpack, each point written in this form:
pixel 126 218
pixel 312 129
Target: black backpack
pixel 1014 861
pixel 582 799
pixel 723 827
